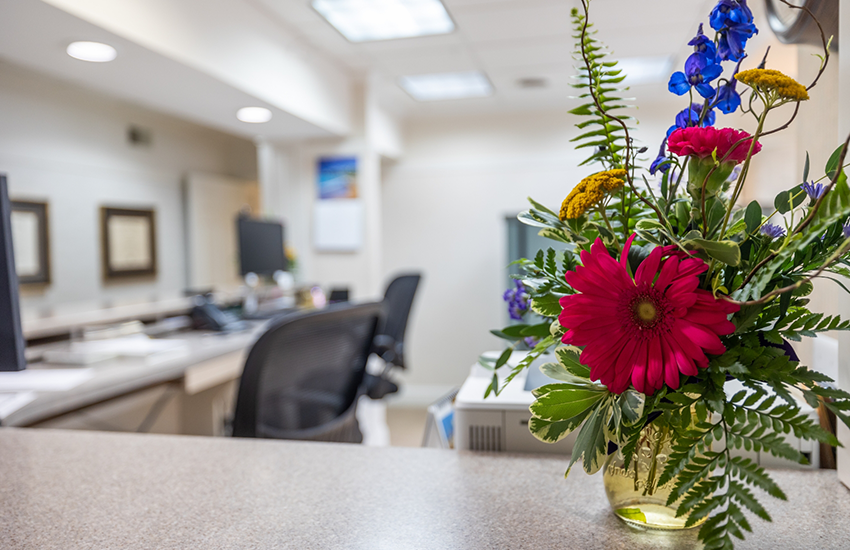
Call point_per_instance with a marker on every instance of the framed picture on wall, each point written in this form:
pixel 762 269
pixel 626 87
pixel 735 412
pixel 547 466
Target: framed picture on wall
pixel 31 242
pixel 128 242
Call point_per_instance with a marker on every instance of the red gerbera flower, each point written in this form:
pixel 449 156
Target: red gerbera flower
pixel 701 142
pixel 644 330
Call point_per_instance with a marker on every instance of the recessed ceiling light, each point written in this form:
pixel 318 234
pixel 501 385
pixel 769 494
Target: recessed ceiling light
pixel 254 115
pixel 96 52
pixel 645 70
pixel 364 20
pixel 433 87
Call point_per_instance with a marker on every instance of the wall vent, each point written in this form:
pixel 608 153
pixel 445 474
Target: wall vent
pixel 485 438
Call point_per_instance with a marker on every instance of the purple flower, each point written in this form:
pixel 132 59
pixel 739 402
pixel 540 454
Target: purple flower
pixel 846 230
pixel 814 190
pixel 531 341
pixel 517 299
pixel 772 231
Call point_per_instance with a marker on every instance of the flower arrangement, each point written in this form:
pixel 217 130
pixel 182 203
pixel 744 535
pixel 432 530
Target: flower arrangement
pixel 657 301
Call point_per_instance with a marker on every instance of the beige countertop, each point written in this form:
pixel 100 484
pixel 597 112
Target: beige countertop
pixel 66 490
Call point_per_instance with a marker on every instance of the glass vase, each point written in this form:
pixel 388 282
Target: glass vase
pixel 634 493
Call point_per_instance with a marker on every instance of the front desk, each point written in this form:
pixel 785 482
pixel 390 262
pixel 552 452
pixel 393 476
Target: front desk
pixel 73 489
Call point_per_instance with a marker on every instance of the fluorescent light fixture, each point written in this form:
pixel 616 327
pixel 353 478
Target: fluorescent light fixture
pixel 95 52
pixel 365 20
pixel 254 115
pixel 435 87
pixel 645 70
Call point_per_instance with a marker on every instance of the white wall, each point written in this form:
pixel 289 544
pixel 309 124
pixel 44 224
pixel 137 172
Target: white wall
pixel 288 187
pixel 68 146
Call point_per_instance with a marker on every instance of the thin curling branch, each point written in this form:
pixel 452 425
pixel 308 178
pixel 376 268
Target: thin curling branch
pixel 621 122
pixel 820 72
pixel 822 38
pixel 808 220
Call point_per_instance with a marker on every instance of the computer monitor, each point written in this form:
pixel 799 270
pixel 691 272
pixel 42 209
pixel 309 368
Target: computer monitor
pixel 260 246
pixel 11 335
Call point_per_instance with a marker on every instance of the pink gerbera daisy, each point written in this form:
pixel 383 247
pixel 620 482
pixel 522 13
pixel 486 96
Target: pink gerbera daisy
pixel 644 330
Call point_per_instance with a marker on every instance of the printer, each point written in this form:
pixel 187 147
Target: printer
pixel 499 423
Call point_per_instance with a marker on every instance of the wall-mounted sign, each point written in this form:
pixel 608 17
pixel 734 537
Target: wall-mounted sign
pixel 337 177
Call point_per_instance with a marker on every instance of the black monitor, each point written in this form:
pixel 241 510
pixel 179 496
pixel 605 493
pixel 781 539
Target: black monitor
pixel 11 336
pixel 260 246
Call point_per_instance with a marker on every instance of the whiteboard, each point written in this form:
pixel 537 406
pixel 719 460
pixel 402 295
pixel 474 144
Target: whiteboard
pixel 338 225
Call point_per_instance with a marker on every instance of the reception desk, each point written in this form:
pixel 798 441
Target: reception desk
pixel 65 489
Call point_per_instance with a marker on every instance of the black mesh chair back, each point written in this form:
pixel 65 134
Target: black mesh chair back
pixel 302 377
pixel 398 301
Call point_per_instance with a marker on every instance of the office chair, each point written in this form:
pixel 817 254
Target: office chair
pixel 303 376
pixel 389 341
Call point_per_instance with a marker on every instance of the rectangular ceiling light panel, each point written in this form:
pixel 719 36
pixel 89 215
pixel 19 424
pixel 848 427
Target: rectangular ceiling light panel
pixel 434 87
pixel 366 20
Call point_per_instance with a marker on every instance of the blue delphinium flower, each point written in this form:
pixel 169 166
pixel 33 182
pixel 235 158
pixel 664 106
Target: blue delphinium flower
pixel 662 156
pixel 517 299
pixel 727 99
pixel 772 231
pixel 733 21
pixel 699 72
pixel 730 12
pixel 814 190
pixel 846 230
pixel 531 341
pixel 703 44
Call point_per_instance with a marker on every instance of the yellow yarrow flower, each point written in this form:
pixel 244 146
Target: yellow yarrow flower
pixel 769 80
pixel 589 192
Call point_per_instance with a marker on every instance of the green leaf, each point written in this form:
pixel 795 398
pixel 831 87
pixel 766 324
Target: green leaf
pixel 591 444
pixel 633 514
pixel 514 331
pixel 753 216
pixel 727 252
pixel 832 163
pixel 549 431
pixel 806 168
pixel 503 358
pixel 788 200
pixel 566 403
pixel 547 306
pixel 537 331
pixel 569 358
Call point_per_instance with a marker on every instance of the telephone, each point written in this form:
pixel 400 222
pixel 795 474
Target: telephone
pixel 207 315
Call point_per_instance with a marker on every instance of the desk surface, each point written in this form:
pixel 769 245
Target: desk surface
pixel 66 490
pixel 121 376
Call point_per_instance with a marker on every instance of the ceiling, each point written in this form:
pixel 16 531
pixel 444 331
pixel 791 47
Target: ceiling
pixel 508 40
